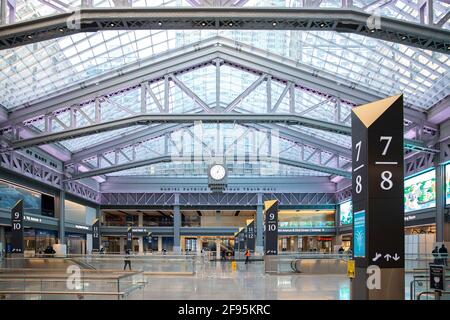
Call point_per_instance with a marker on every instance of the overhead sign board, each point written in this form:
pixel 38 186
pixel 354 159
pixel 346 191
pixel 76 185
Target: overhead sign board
pixel 271 227
pixel 17 227
pixel 96 235
pixel 250 236
pixel 130 238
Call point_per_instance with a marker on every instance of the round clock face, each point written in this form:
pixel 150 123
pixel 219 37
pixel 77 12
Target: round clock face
pixel 217 172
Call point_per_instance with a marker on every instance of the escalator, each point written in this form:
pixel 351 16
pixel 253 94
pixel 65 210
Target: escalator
pixel 82 264
pixel 228 249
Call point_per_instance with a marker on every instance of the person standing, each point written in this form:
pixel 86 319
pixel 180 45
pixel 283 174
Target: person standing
pixel 247 256
pixel 223 255
pixel 435 254
pixel 443 254
pixel 127 260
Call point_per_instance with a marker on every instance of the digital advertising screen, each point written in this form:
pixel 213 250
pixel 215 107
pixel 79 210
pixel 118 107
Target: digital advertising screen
pixel 447 182
pixel 322 218
pixel 359 234
pixel 345 213
pixel 420 191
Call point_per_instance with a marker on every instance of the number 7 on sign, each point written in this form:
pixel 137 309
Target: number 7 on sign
pixel 386 147
pixel 358 147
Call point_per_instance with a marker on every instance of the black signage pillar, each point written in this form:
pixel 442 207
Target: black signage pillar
pixel 96 236
pixel 377 195
pixel 437 277
pixel 236 244
pixel 271 227
pixel 251 237
pixel 17 227
pixel 241 236
pixel 130 239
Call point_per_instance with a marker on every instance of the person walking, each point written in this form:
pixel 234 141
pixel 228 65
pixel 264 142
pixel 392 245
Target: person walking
pixel 443 253
pixel 247 256
pixel 127 260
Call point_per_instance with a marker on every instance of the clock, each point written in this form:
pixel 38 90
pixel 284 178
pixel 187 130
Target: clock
pixel 217 177
pixel 217 172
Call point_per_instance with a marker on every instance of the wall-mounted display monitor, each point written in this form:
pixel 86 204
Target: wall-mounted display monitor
pixel 306 218
pixel 10 194
pixel 447 182
pixel 345 213
pixel 420 191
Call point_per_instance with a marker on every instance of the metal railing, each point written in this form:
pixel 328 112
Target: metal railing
pixel 59 284
pixel 437 294
pixel 421 283
pixel 149 264
pixel 421 261
pixel 306 262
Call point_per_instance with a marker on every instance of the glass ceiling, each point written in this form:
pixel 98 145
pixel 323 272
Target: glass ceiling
pixel 37 71
pixel 236 142
pixel 46 68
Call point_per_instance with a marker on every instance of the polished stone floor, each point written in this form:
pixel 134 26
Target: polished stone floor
pixel 216 280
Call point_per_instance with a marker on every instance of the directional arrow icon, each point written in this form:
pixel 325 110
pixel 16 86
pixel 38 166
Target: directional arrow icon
pixel 377 256
pixel 387 257
pixel 396 257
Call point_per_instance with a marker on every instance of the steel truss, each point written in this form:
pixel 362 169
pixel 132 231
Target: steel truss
pixel 74 172
pixel 215 51
pixel 26 166
pixel 445 150
pixel 78 104
pixel 212 52
pixel 344 194
pixel 415 162
pixel 418 162
pixel 215 199
pixel 344 20
pixel 218 51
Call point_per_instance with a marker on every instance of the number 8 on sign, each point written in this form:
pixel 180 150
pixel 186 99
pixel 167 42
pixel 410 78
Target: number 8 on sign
pixel 358 184
pixel 386 179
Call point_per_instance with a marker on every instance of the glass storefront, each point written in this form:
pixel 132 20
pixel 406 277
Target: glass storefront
pixel 120 220
pixel 117 244
pixel 111 244
pixel 347 242
pixel 76 243
pixel 305 244
pixel 37 240
pixel 190 245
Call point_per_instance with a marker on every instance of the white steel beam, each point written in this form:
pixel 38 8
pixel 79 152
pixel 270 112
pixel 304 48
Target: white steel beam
pixel 349 20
